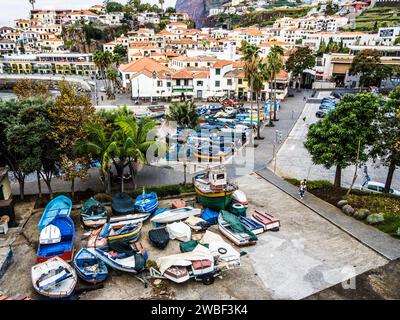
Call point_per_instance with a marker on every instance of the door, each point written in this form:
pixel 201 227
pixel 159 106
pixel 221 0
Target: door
pixel 199 94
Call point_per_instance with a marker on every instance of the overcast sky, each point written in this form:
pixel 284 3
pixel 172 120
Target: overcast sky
pixel 14 9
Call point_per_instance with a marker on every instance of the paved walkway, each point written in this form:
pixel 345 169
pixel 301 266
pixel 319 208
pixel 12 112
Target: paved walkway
pixel 369 236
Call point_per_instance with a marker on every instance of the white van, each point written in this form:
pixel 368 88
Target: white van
pixel 377 187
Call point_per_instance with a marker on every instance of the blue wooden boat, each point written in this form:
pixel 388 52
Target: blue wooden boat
pixel 146 203
pixel 63 247
pixel 60 206
pixel 212 152
pixel 252 225
pixel 121 261
pixel 93 214
pixel 90 268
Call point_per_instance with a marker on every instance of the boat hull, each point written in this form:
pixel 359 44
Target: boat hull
pixel 215 201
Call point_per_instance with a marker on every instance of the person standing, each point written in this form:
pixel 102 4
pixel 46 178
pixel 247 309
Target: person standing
pixel 303 187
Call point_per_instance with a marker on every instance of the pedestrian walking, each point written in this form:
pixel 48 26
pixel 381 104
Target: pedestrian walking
pixel 303 187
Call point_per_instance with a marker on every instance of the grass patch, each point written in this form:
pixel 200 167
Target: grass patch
pixel 376 203
pixel 164 191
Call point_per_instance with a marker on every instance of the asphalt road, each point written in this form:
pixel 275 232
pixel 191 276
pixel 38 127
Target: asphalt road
pixel 293 160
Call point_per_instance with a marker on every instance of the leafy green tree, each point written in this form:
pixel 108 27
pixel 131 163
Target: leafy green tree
pixel 114 7
pixel 334 141
pixel 27 88
pixel 263 75
pixel 368 65
pixel 69 115
pixel 120 50
pixel 24 139
pixel 300 60
pixel 386 148
pixel 170 10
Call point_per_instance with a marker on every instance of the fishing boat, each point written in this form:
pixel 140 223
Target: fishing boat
pixel 57 240
pixel 211 152
pixel 268 221
pixel 54 279
pixel 252 225
pixel 240 197
pixel 121 221
pixel 122 204
pixel 146 203
pixel 232 228
pixel 60 206
pixel 93 214
pixel 173 215
pixel 128 233
pixel 213 189
pixel 98 237
pixel 156 108
pixel 121 261
pixel 90 268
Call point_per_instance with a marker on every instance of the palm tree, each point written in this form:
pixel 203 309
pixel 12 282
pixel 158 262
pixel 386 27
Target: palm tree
pixel 184 114
pixel 126 147
pixel 250 71
pixel 261 76
pixel 275 65
pixel 161 2
pixel 97 144
pixel 252 61
pixel 32 2
pixel 103 62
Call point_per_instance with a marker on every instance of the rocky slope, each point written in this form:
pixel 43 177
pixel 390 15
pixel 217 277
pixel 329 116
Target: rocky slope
pixel 198 9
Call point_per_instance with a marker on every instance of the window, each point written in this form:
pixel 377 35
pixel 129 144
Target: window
pixel 168 84
pixel 373 188
pixel 200 83
pixel 159 83
pixel 217 72
pixel 186 82
pixel 178 82
pixel 229 82
pixel 217 83
pixel 240 81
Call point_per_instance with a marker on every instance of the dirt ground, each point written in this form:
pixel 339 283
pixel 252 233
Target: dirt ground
pixel 124 286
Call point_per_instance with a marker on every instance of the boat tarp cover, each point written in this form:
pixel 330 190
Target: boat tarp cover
pixel 122 247
pixel 180 231
pixel 122 203
pixel 159 237
pixel 236 225
pixel 189 246
pixel 184 259
pixel 216 242
pixel 90 203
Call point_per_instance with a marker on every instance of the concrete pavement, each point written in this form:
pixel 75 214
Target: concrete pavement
pixel 371 237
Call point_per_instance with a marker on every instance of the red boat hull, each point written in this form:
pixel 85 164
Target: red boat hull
pixel 66 256
pixel 269 222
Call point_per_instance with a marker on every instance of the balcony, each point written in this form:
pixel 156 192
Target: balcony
pixel 182 88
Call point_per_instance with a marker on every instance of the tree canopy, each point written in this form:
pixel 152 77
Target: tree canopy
pixel 334 140
pixel 368 65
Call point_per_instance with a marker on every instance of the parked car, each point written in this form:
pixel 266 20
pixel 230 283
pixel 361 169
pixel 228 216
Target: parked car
pixel 321 113
pixel 326 106
pixel 337 95
pixel 377 187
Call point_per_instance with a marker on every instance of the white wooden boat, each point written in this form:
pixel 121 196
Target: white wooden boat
pixel 121 221
pixel 240 239
pixel 54 279
pixel 173 215
pixel 132 264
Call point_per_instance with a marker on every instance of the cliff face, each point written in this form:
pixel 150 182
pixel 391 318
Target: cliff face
pixel 198 10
